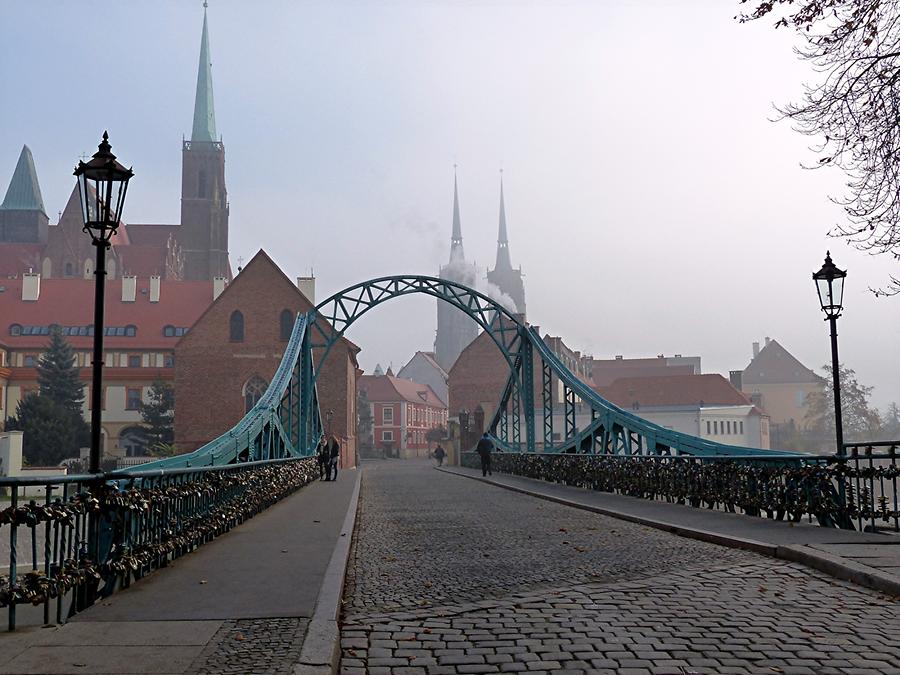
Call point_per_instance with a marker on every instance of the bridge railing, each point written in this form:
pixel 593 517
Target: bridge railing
pixel 74 538
pixel 870 472
pixel 784 488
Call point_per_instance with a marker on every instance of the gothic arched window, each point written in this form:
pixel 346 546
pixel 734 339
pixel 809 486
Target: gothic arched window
pixel 253 391
pixel 201 185
pixel 286 324
pixel 236 326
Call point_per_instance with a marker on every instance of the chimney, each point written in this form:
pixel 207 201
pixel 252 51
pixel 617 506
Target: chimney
pixel 767 342
pixel 219 284
pixel 307 286
pixel 154 288
pixel 755 349
pixel 129 288
pixel 31 287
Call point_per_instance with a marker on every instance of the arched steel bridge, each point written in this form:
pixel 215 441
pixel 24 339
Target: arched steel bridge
pixel 286 422
pixel 101 531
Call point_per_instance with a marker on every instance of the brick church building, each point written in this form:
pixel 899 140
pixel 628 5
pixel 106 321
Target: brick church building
pixel 229 356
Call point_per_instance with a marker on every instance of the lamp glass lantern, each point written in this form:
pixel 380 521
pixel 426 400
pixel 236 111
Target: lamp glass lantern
pixel 102 185
pixel 830 285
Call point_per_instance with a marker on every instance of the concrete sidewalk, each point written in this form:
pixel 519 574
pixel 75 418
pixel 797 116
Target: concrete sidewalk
pixel 871 560
pixel 260 598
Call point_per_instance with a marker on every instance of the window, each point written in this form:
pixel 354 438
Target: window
pixel 253 391
pixel 69 272
pixel 236 326
pixel 133 398
pixel 201 185
pixel 728 426
pixel 30 361
pixel 708 428
pixel 387 435
pixel 168 331
pixel 134 360
pixel 130 331
pixel 742 426
pixel 169 360
pixel 715 428
pixel 286 324
pixel 387 416
pixel 15 329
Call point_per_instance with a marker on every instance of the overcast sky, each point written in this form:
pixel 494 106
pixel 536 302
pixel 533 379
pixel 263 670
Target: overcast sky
pixel 651 202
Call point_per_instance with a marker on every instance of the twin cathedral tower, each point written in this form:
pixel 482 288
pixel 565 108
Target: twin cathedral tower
pixel 455 330
pixel 197 248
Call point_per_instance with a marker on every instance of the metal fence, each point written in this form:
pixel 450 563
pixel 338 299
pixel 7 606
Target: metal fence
pixel 860 491
pixel 87 535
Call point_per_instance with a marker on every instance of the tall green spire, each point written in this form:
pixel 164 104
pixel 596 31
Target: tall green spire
pixel 204 112
pixel 24 192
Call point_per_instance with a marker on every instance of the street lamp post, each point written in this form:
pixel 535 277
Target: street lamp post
pixel 102 184
pixel 830 285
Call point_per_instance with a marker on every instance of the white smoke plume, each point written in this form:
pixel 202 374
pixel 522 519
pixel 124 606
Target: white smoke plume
pixel 473 276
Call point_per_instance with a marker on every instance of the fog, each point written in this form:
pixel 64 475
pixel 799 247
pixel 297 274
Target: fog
pixel 651 202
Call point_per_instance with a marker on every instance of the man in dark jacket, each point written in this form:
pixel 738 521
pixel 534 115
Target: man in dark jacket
pixel 439 454
pixel 484 449
pixel 334 454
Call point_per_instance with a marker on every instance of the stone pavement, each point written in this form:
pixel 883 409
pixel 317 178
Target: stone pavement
pixel 239 604
pixel 450 575
pixel 870 559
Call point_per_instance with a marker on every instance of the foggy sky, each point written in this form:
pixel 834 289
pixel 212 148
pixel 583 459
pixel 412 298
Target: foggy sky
pixel 651 202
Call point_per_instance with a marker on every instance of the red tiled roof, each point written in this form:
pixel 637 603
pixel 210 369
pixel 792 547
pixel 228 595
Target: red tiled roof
pixel 70 302
pixel 390 388
pixel 671 390
pixel 143 234
pixel 15 259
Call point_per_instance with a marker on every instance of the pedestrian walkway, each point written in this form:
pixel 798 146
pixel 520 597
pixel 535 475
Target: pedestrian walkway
pixel 869 559
pixel 252 600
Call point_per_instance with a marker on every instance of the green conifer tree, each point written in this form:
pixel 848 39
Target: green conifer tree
pixel 57 374
pixel 158 417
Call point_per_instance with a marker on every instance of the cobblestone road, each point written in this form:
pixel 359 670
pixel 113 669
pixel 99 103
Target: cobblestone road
pixel 449 575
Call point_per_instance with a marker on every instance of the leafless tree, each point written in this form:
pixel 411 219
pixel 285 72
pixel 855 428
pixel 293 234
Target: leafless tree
pixel 854 108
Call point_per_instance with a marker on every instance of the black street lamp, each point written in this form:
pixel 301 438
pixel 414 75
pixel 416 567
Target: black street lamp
pixel 830 285
pixel 102 184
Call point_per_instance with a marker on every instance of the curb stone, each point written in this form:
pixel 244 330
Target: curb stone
pixel 320 654
pixel 833 565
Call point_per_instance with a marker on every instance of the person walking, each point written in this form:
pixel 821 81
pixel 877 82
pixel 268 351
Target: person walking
pixel 322 458
pixel 334 454
pixel 484 448
pixel 439 455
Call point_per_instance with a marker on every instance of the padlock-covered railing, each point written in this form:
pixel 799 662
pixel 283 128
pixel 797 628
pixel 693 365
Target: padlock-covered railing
pixel 870 472
pixel 784 488
pixel 72 539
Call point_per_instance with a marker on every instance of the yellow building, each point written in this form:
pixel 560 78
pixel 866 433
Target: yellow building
pixel 777 382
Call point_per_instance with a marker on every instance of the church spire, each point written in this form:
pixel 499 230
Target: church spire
pixel 456 245
pixel 204 114
pixel 503 262
pixel 24 192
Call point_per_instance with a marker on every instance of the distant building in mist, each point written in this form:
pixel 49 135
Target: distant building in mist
pixel 503 275
pixel 777 382
pixel 706 406
pixel 455 330
pixel 423 368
